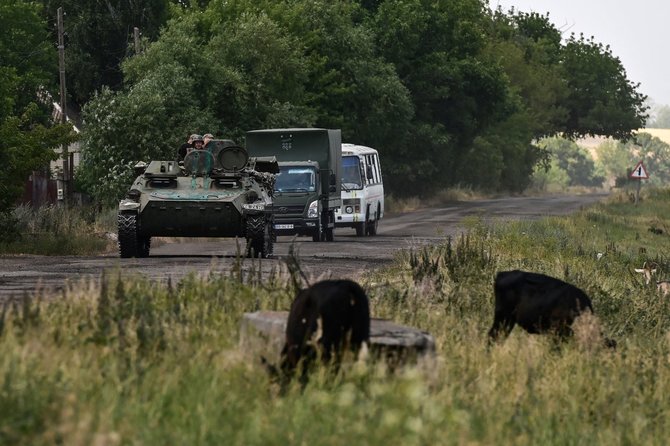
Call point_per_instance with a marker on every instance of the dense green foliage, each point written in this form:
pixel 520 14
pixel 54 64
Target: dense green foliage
pixel 99 35
pixel 601 101
pixel 27 135
pixel 574 160
pixel 437 87
pixel 139 362
pixel 617 159
pixel 450 92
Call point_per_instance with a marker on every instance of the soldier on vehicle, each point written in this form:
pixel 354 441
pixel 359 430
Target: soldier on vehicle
pixel 186 147
pixel 208 137
pixel 198 142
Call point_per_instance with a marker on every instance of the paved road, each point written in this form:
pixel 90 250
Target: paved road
pixel 347 256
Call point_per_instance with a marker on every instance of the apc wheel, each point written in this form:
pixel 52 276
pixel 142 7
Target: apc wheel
pixel 129 242
pixel 259 237
pixel 144 246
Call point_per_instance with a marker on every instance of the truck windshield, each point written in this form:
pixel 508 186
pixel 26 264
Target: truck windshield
pixel 295 179
pixel 351 173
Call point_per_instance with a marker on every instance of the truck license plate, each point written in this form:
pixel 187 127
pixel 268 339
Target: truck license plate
pixel 289 226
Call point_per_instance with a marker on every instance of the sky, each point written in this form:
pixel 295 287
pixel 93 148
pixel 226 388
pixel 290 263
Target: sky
pixel 637 33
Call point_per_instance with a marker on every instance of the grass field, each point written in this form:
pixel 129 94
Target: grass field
pixel 133 362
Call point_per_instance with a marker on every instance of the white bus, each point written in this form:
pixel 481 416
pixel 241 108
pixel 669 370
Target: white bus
pixel 362 190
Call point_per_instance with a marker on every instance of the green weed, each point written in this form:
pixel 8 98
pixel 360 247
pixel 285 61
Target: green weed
pixel 130 361
pixel 60 230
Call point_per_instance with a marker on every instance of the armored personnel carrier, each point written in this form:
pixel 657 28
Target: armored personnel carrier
pixel 215 192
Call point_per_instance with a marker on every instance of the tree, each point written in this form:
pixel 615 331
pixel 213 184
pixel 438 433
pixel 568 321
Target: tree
pixel 613 159
pixel 437 49
pixel 448 91
pixel 25 146
pixel 148 121
pixel 348 85
pixel 601 100
pixel 661 119
pixel 99 37
pixel 27 135
pixel 550 177
pixel 557 92
pixel 574 160
pixel 654 153
pixel 243 68
pixel 618 158
pixel 528 47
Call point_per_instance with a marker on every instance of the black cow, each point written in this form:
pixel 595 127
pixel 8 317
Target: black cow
pixel 336 313
pixel 538 303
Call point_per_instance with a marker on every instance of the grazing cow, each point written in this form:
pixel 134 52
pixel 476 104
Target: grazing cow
pixel 538 303
pixel 325 319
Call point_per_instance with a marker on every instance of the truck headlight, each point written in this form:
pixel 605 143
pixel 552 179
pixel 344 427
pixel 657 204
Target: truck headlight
pixel 313 211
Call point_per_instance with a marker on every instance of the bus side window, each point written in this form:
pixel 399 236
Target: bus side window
pixel 361 166
pixel 373 166
pixel 372 171
pixel 369 173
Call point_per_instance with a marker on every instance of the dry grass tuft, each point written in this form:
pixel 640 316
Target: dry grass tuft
pixel 588 332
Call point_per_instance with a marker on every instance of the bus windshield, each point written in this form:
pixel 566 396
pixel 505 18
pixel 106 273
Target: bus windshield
pixel 295 179
pixel 351 173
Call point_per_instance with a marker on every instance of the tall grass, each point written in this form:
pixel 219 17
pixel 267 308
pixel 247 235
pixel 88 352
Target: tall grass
pixel 60 230
pixel 136 362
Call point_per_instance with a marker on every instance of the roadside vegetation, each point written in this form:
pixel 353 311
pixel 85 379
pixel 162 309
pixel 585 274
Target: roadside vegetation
pixel 439 88
pixel 137 362
pixel 60 230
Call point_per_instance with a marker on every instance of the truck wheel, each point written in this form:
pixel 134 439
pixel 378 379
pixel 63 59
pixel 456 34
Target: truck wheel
pixel 259 237
pixel 129 241
pixel 317 234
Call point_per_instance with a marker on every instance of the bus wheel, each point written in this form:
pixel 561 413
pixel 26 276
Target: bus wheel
pixel 372 226
pixel 361 228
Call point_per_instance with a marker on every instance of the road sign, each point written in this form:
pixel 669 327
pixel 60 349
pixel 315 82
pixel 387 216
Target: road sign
pixel 639 172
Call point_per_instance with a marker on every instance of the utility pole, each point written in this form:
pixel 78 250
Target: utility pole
pixel 63 104
pixel 136 35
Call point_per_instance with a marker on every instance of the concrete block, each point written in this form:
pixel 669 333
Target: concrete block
pixel 262 334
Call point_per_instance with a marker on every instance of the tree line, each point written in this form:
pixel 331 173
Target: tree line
pixel 449 92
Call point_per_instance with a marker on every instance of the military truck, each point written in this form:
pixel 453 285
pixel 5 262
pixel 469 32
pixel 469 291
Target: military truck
pixel 218 192
pixel 307 188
